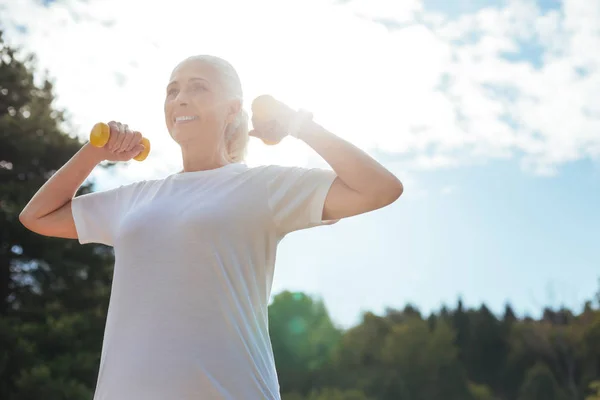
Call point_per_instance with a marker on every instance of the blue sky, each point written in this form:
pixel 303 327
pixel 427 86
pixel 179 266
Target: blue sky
pixel 487 110
pixel 499 236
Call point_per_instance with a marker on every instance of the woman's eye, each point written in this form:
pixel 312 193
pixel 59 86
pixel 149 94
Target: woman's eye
pixel 198 87
pixel 172 91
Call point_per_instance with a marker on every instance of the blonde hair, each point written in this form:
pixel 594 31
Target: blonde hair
pixel 236 133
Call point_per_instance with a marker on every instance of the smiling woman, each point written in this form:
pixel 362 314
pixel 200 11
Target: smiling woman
pixel 205 95
pixel 195 252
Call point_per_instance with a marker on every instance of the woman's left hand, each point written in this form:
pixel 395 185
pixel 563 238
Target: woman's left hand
pixel 270 119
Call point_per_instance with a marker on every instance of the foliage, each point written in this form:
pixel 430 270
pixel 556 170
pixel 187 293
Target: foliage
pixel 53 292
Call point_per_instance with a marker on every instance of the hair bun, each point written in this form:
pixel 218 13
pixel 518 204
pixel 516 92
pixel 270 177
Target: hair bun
pixel 237 137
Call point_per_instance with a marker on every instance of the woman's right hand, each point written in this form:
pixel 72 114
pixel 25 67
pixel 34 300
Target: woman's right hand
pixel 123 144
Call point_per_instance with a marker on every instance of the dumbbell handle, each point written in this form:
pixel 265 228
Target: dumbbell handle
pixel 101 133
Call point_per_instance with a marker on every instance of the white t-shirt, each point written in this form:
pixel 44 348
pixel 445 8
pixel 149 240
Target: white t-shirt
pixel 194 263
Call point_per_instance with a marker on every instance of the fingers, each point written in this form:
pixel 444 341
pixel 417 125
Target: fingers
pixel 137 149
pixel 124 131
pixel 129 141
pixel 122 138
pixel 114 134
pixel 136 138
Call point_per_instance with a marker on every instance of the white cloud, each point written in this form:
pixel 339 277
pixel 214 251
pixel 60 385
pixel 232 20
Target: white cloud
pixel 440 94
pixel 397 11
pixel 551 104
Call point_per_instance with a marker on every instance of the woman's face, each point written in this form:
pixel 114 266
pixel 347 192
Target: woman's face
pixel 196 106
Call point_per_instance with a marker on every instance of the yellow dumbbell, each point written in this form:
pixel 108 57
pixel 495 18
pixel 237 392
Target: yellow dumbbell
pixel 101 133
pixel 264 108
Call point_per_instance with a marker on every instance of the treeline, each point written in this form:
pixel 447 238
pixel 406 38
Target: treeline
pixel 54 297
pixel 454 354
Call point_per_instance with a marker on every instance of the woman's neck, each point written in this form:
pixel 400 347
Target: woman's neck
pixel 198 160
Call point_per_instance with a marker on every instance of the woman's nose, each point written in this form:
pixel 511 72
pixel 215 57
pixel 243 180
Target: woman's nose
pixel 182 98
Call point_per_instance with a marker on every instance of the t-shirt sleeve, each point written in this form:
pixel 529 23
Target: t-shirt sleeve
pixel 97 215
pixel 297 196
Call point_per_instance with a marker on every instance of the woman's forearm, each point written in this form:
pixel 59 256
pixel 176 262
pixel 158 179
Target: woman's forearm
pixel 359 171
pixel 62 186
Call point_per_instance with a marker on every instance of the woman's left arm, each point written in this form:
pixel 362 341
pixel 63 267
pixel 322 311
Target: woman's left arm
pixel 362 184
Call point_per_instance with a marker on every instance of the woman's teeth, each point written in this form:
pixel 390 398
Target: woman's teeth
pixel 185 119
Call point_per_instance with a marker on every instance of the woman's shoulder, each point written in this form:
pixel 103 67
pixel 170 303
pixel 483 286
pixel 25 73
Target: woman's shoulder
pixel 268 173
pixel 273 170
pixel 139 185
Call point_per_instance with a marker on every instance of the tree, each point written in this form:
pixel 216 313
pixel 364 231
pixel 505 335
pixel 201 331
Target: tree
pixel 540 384
pixel 401 358
pixel 595 388
pixel 590 351
pixel 481 392
pixel 486 349
pixel 303 338
pixel 461 325
pixel 53 292
pixel 426 362
pixel 358 361
pixel 328 394
pixel 337 394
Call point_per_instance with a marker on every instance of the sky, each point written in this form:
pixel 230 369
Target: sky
pixel 488 111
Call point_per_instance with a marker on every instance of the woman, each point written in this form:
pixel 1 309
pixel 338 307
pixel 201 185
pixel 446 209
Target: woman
pixel 195 251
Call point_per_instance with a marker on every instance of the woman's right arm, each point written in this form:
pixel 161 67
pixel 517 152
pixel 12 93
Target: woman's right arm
pixel 49 211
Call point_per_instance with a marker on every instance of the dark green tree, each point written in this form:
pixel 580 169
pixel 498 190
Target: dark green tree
pixel 540 384
pixel 53 292
pixel 486 350
pixel 358 361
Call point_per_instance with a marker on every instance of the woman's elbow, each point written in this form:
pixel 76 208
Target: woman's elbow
pixel 394 191
pixel 26 219
pixel 389 193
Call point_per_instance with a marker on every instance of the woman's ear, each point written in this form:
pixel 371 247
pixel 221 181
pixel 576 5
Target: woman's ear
pixel 234 108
